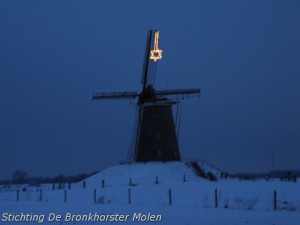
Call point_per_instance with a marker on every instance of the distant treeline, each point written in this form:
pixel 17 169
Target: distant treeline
pixel 20 177
pixel 273 174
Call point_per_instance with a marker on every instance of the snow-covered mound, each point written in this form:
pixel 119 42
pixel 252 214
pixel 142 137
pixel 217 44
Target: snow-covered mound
pixel 143 173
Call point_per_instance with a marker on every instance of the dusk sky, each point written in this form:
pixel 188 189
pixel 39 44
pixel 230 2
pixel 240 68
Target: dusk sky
pixel 243 54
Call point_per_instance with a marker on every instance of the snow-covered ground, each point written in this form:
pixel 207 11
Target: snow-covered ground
pixel 171 193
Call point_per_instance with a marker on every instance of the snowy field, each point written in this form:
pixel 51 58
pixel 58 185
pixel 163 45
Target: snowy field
pixel 159 193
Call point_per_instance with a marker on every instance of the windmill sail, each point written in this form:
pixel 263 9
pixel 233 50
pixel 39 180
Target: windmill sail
pixel 155 133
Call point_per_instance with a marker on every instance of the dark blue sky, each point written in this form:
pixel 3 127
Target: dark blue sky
pixel 244 55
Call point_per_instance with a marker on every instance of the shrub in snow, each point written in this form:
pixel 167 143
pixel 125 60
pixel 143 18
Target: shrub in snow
pixel 101 200
pixel 205 201
pixel 251 204
pixel 226 203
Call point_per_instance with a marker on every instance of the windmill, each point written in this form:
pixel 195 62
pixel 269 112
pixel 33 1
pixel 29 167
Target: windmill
pixel 155 137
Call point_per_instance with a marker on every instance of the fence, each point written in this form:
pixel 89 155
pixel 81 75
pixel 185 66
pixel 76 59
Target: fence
pixel 226 194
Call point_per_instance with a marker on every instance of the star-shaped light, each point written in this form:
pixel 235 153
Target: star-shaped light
pixel 156 53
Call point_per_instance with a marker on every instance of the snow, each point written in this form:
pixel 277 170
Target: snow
pixel 192 197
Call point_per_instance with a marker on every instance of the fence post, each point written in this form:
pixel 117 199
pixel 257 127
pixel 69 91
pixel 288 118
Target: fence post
pixel 275 200
pixel 216 198
pixel 53 187
pixel 156 180
pixel 95 196
pixel 65 196
pixel 129 196
pixel 184 178
pixel 170 197
pixel 103 183
pixel 18 193
pixel 83 184
pixel 70 185
pixel 41 194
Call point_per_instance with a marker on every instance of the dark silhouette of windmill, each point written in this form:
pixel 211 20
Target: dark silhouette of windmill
pixel 155 136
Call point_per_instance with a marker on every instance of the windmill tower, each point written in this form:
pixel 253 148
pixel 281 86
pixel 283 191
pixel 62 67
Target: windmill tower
pixel 155 137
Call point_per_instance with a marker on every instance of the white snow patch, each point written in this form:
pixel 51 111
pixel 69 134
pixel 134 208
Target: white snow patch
pixel 192 199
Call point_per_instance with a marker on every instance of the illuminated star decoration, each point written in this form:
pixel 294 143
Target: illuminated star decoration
pixel 156 53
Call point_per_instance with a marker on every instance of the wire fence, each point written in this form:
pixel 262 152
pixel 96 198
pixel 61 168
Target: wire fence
pixel 159 193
